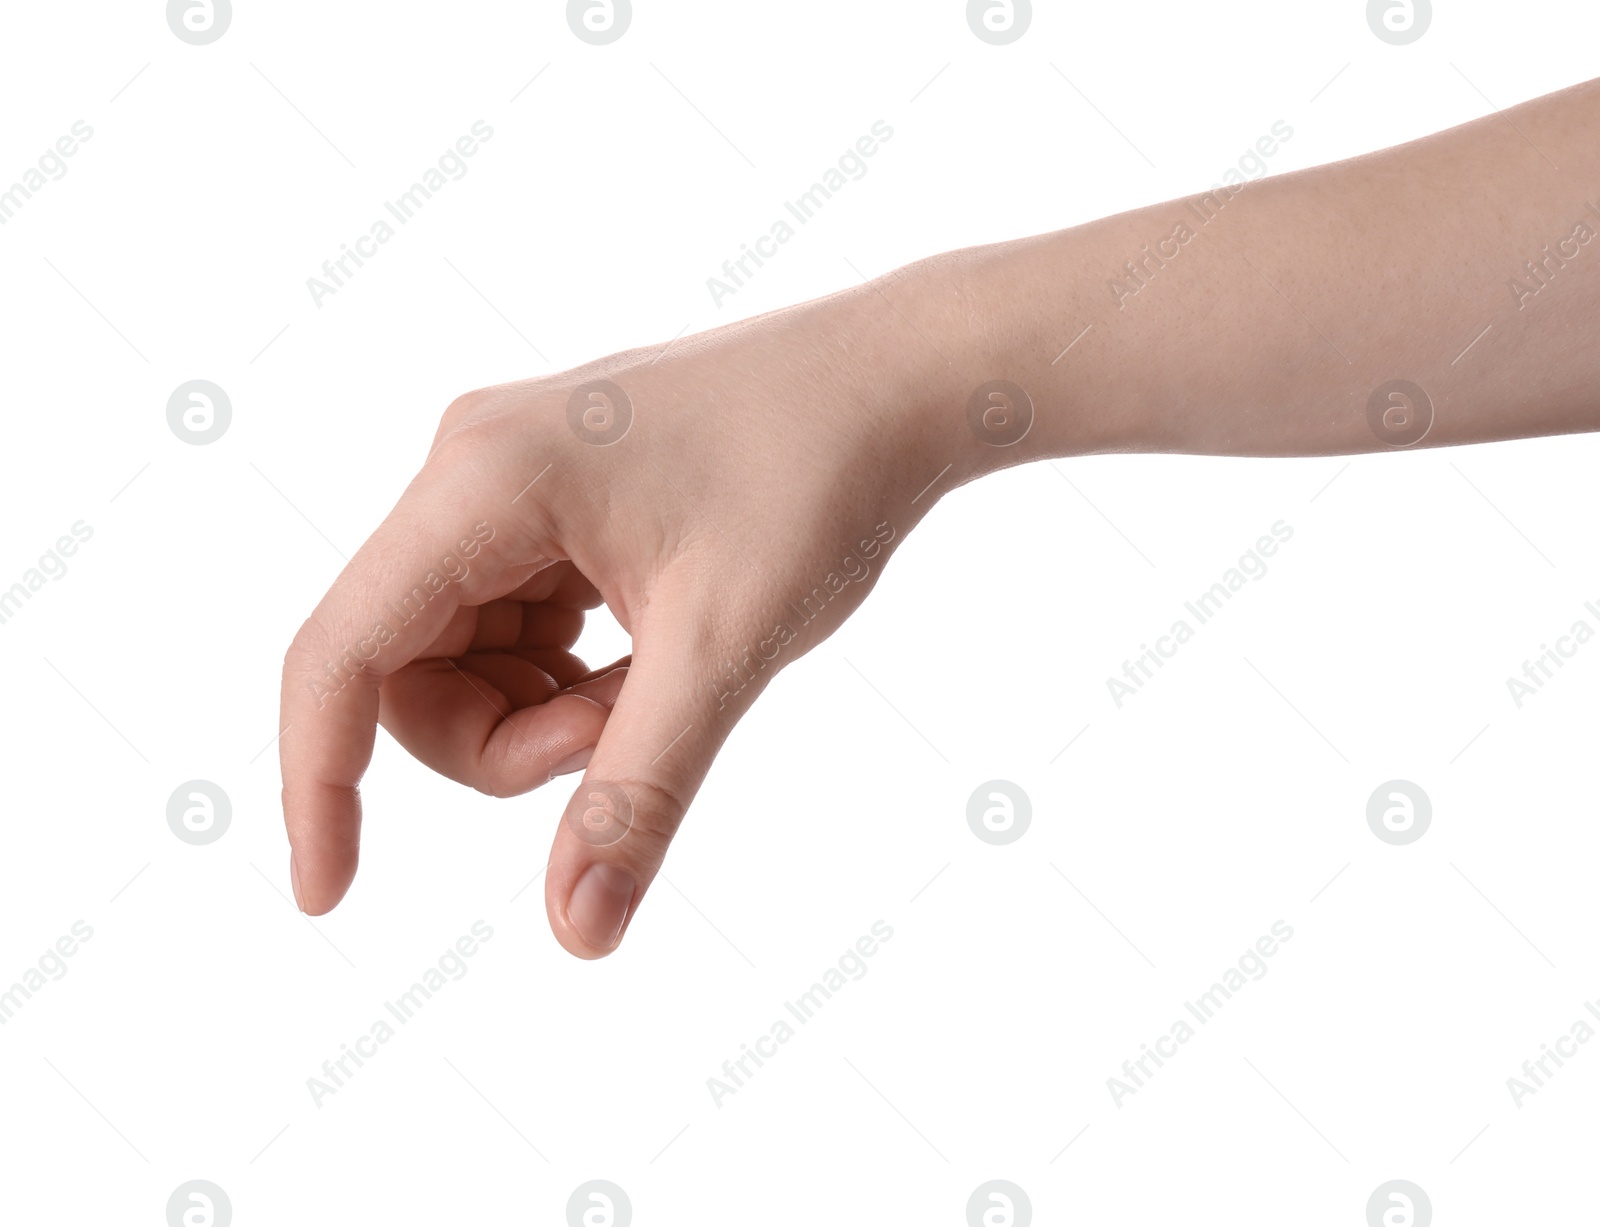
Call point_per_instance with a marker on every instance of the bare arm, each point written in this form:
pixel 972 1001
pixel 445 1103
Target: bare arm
pixel 1263 321
pixel 732 497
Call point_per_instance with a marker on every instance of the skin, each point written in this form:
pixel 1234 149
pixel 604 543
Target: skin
pixel 763 453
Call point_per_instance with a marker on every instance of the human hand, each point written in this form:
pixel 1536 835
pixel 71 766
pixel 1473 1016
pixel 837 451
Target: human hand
pixel 730 499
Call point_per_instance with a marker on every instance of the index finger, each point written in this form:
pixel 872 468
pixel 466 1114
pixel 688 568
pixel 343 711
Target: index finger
pixel 425 561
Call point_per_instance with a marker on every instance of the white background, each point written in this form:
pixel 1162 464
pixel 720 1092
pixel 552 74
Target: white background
pixel 1171 834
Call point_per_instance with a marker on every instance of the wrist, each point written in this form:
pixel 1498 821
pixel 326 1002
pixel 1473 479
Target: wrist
pixel 995 358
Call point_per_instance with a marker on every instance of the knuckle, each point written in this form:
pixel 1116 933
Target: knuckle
pixel 465 420
pixel 658 811
pixel 305 651
pixel 462 408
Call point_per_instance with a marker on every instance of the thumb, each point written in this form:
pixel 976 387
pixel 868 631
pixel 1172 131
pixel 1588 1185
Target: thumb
pixel 672 716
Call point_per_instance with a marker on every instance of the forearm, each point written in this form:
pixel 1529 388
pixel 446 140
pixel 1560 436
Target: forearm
pixel 1263 322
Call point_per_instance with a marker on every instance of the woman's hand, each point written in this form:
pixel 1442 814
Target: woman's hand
pixel 730 498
